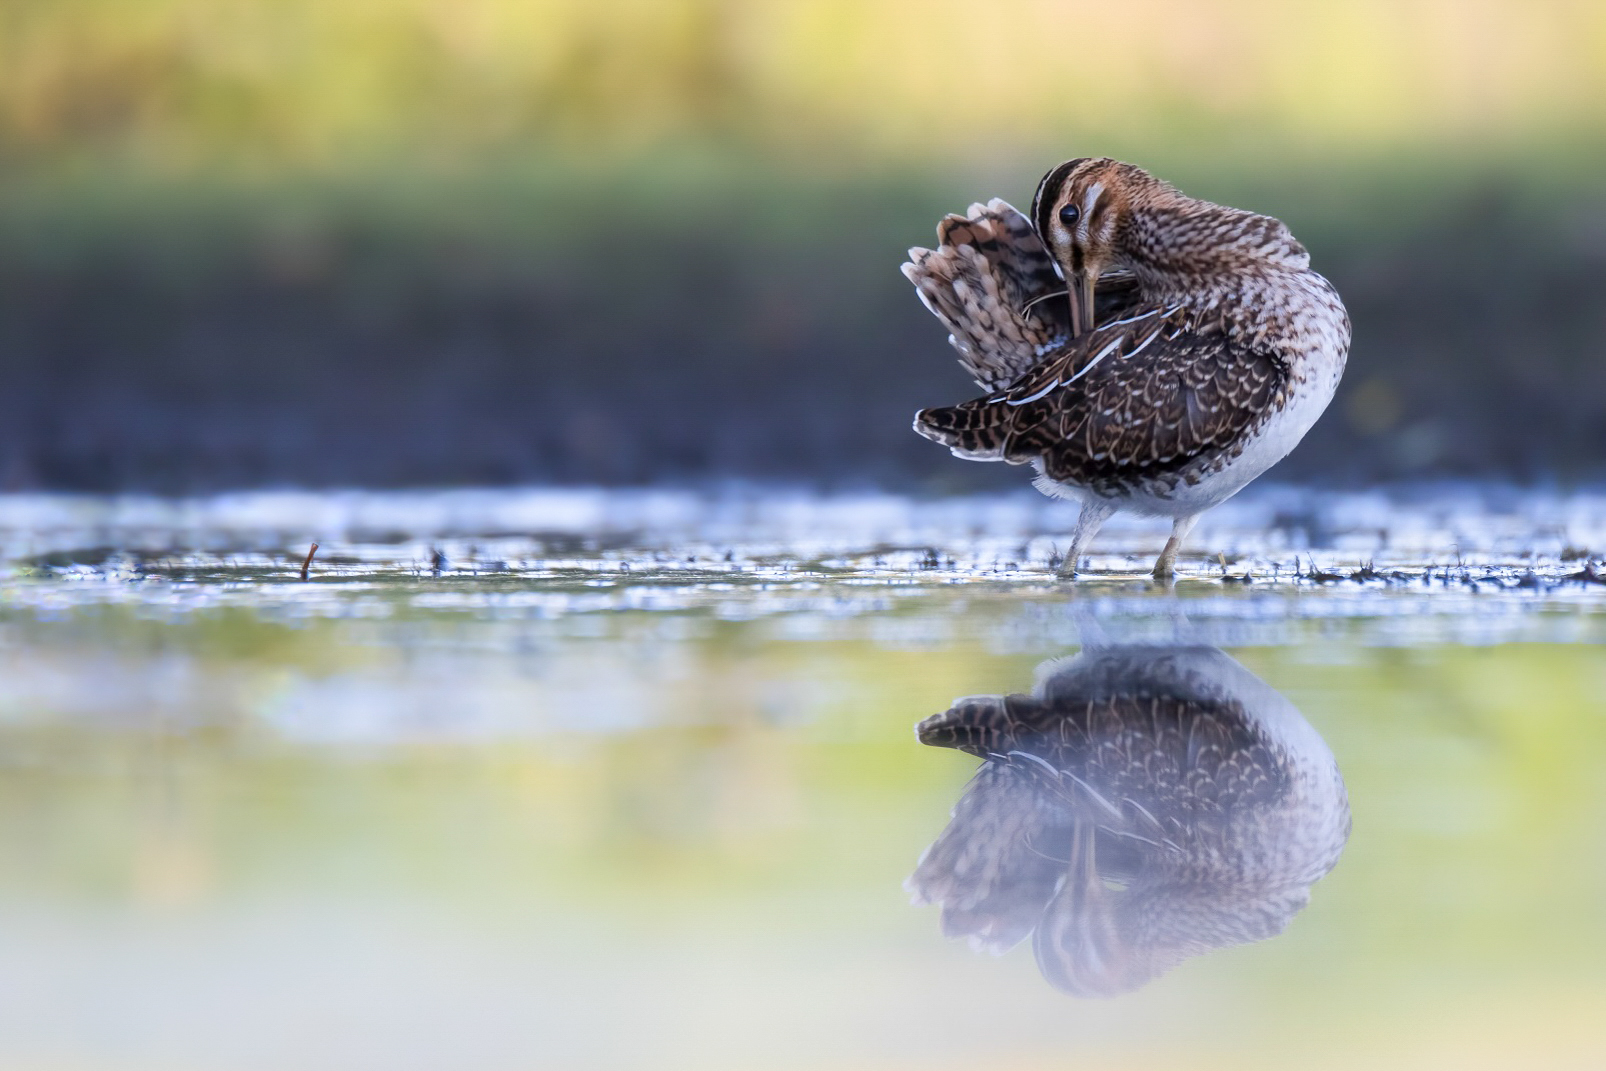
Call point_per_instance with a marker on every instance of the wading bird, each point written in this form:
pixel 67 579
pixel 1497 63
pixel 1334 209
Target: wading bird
pixel 1143 350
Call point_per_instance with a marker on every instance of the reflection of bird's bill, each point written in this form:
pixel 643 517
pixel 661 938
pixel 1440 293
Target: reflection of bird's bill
pixel 1077 947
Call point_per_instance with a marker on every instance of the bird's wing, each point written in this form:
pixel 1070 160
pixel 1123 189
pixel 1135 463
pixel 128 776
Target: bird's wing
pixel 1138 397
pixel 981 281
pixel 996 864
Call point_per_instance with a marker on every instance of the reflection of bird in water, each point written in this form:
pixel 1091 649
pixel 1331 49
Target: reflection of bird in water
pixel 1142 349
pixel 1143 805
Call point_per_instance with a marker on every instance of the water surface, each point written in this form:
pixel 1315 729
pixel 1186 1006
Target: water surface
pixel 592 779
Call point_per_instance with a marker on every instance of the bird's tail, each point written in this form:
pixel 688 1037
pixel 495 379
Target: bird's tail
pixel 976 431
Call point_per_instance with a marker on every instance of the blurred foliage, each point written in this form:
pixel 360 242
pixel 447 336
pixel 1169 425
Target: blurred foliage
pixel 298 84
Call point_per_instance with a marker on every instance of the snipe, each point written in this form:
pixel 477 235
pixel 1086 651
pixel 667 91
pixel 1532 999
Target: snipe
pixel 1144 350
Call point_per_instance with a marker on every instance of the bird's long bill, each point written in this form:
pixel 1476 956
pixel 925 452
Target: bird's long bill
pixel 1082 310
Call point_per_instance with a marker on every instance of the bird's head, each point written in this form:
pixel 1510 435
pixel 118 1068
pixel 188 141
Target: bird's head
pixel 1080 212
pixel 1100 215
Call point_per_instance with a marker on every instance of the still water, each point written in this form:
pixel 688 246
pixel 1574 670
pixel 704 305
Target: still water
pixel 585 779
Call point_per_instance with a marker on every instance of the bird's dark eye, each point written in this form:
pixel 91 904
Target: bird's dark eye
pixel 1069 215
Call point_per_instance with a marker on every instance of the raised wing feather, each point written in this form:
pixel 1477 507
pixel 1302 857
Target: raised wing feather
pixel 981 281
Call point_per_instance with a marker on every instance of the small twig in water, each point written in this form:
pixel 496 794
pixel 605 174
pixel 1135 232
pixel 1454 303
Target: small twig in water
pixel 306 563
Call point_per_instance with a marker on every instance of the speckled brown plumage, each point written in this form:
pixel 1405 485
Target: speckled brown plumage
pixel 1153 400
pixel 988 266
pixel 1142 806
pixel 1142 349
pixel 987 282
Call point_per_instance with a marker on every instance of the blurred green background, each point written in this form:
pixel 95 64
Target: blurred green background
pixel 266 242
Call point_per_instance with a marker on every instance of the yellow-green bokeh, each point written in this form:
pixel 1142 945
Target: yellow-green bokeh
pixel 287 85
pixel 744 829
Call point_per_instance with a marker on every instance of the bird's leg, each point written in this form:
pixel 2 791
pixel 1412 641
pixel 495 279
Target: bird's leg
pixel 1088 521
pixel 1166 567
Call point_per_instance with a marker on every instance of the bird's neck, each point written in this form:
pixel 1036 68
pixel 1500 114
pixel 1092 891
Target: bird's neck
pixel 1182 247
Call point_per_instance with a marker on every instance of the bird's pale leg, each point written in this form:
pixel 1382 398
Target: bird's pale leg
pixel 1166 567
pixel 1093 515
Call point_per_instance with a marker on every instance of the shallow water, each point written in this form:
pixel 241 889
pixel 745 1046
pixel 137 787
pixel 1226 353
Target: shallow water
pixel 606 779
